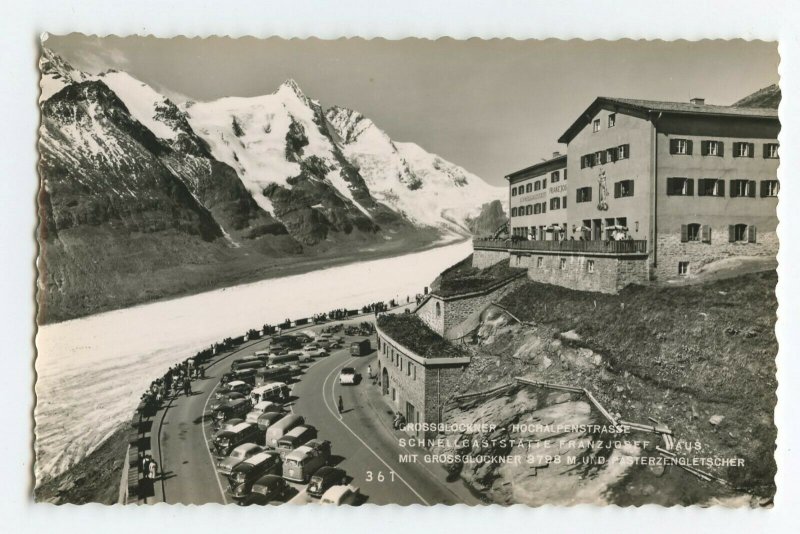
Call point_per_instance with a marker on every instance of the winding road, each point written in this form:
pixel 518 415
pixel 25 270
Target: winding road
pixel 363 442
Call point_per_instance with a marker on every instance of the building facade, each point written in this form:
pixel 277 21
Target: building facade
pixel 416 386
pixel 538 200
pixel 683 184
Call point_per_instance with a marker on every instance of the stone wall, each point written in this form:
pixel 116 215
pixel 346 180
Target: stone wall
pixel 426 388
pixel 671 251
pixel 603 274
pixel 431 314
pixel 486 258
pixel 457 309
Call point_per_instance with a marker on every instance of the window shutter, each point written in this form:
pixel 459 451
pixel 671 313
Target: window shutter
pixel 751 189
pixel 611 154
pixel 765 150
pixel 720 188
pixel 751 234
pixel 720 148
pixel 763 189
pixel 544 207
pixel 704 148
pixel 684 233
pixel 706 233
pixel 689 147
pixel 583 162
pixel 589 196
pixel 630 185
pixel 751 149
pixel 603 157
pixel 617 188
pixel 673 146
pixel 731 233
pixel 701 190
pixel 627 150
pixel 690 187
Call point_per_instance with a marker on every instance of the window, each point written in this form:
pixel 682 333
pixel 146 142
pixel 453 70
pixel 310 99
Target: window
pixel 623 152
pixel 529 209
pixel 583 194
pixel 769 188
pixel 513 191
pixel 555 203
pixel 612 120
pixel 600 157
pixel 587 160
pixel 513 212
pixel 596 125
pixel 743 188
pixel 681 147
pixel 690 232
pixel 623 189
pixel 562 264
pixel 537 209
pixel 680 187
pixel 544 207
pixel 683 268
pixel 438 309
pixel 564 202
pixel 711 187
pixel 414 372
pixel 711 148
pixel 539 262
pixel 555 176
pixel 611 154
pixel 528 188
pixel 565 175
pixel 743 150
pixel 536 185
pixel 741 232
pixel 771 150
pixel 589 266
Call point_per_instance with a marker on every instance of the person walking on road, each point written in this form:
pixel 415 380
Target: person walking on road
pixel 369 371
pixel 341 404
pixel 187 386
pixel 153 468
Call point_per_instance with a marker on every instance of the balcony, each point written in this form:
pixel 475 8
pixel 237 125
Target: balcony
pixel 635 247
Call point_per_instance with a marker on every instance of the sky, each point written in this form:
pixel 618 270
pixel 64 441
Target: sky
pixel 491 106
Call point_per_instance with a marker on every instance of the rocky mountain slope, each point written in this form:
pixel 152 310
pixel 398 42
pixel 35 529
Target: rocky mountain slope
pixel 142 197
pixel 489 220
pixel 768 97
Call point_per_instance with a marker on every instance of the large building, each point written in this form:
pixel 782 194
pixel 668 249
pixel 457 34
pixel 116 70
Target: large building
pixel 655 190
pixel 538 200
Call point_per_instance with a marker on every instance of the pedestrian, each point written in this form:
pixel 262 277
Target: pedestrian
pixel 145 465
pixel 187 386
pixel 369 371
pixel 341 404
pixel 153 467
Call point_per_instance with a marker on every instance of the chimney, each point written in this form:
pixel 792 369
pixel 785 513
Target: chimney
pixel 556 154
pixel 698 101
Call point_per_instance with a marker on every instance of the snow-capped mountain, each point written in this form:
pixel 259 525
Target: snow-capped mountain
pixel 125 170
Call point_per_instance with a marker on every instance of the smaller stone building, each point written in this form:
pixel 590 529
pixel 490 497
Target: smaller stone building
pixel 418 370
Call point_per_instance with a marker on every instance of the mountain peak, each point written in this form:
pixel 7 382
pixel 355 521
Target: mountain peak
pixel 291 85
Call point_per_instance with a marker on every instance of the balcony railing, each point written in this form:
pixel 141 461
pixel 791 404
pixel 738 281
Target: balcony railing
pixel 588 247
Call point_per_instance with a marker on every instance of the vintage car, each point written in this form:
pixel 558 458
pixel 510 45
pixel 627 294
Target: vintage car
pixel 236 408
pixel 325 477
pixel 348 376
pixel 227 440
pixel 299 435
pixel 221 398
pixel 246 473
pixel 235 386
pixel 322 446
pixel 315 352
pixel 267 419
pixel 267 489
pixel 340 495
pixel 273 391
pixel 302 463
pixel 262 407
pixel 237 456
pixel 247 376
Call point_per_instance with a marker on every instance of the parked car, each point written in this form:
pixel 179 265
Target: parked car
pixel 228 440
pixel 322 446
pixel 279 428
pixel 237 456
pixel 245 375
pixel 297 436
pixel 348 376
pixel 267 419
pixel 237 386
pixel 303 338
pixel 302 463
pixel 236 408
pixel 315 352
pixel 272 391
pixel 246 473
pixel 225 398
pixel 340 495
pixel 325 477
pixel 261 408
pixel 267 489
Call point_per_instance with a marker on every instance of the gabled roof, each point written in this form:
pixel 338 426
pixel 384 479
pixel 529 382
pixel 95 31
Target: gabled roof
pixel 648 107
